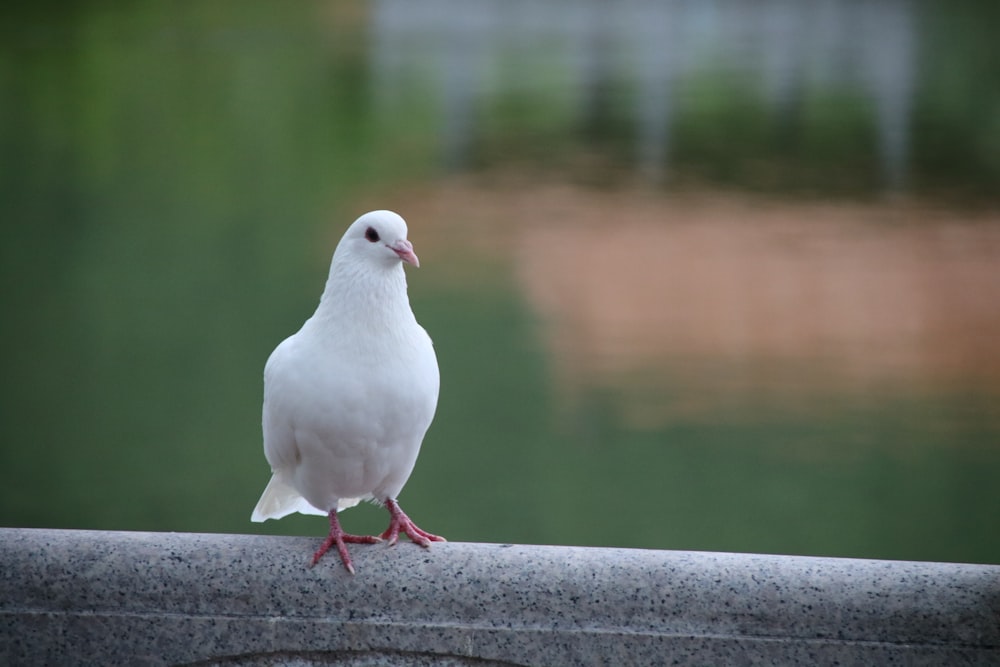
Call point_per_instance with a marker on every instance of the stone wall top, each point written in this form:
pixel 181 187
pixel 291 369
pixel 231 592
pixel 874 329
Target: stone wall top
pixel 88 597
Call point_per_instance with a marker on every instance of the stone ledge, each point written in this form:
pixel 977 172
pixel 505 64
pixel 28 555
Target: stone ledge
pixel 89 597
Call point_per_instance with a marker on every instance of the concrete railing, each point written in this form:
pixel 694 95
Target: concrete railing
pixel 81 597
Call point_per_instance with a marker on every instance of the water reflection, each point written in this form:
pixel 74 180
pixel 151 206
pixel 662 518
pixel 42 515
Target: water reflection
pixel 735 298
pixel 623 362
pixel 648 58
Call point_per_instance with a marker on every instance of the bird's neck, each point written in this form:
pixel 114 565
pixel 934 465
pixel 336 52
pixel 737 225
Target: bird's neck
pixel 363 297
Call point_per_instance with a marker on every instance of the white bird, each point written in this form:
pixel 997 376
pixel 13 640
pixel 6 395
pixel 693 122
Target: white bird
pixel 349 397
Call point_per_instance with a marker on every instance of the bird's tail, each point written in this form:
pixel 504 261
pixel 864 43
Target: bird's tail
pixel 280 499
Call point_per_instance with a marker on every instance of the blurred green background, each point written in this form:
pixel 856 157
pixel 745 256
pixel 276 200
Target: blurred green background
pixel 715 276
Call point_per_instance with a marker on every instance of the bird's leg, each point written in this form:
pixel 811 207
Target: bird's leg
pixel 399 521
pixel 340 538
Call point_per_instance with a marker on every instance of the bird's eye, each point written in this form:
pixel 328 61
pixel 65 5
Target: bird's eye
pixel 371 235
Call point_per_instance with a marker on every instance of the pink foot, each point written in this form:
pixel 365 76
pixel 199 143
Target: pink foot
pixel 401 522
pixel 340 538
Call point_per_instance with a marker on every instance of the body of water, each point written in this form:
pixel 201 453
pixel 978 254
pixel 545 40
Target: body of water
pixel 715 276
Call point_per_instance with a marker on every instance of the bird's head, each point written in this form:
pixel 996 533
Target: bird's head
pixel 381 237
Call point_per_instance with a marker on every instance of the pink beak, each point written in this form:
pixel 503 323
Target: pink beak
pixel 404 249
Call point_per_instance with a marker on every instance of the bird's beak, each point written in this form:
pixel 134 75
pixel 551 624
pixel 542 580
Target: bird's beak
pixel 404 249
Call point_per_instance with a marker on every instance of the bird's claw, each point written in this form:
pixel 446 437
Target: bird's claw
pixel 401 522
pixel 340 539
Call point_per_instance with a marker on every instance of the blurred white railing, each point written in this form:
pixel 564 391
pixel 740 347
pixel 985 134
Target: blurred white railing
pixel 783 50
pixel 83 597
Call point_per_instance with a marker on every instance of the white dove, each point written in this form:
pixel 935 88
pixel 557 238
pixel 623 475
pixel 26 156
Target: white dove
pixel 349 397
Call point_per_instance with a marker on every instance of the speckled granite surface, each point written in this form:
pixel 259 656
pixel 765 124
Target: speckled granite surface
pixel 82 597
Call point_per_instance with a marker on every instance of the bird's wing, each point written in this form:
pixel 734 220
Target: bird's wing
pixel 281 446
pixel 279 434
pixel 279 498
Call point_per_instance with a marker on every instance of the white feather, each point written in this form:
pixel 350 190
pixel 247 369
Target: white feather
pixel 349 397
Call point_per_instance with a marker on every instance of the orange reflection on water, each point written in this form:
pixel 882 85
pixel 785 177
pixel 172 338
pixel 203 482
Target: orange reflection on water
pixel 707 297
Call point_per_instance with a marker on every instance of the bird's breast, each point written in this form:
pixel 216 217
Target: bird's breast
pixel 360 396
